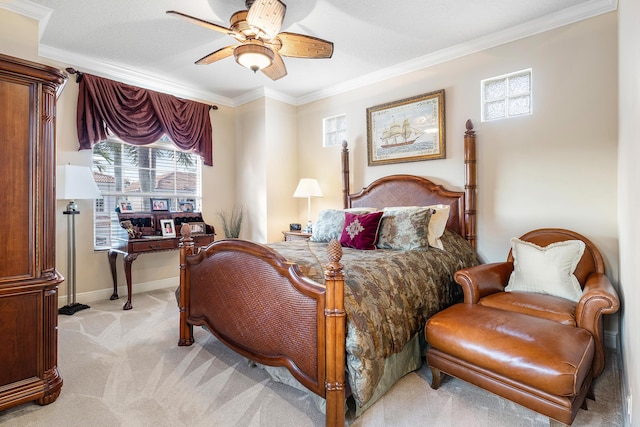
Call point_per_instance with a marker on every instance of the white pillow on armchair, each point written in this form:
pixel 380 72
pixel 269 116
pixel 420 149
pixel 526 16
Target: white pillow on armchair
pixel 546 270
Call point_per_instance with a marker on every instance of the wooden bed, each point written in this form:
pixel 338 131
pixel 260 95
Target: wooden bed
pixel 262 306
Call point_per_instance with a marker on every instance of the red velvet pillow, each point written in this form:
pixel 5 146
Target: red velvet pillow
pixel 360 231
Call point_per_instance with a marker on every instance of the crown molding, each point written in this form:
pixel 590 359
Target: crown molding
pixel 279 96
pixel 263 92
pixel 131 76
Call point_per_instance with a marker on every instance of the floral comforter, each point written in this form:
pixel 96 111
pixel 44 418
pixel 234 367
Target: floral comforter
pixel 389 295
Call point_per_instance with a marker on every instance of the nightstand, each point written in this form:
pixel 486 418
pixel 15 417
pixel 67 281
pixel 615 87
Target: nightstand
pixel 295 235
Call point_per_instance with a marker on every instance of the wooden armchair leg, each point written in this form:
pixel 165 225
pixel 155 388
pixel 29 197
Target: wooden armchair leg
pixel 436 378
pixel 590 394
pixel 584 405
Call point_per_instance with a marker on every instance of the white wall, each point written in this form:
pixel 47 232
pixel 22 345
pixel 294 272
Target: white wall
pixel 266 167
pixel 629 199
pixel 218 184
pixel 252 169
pixel 281 159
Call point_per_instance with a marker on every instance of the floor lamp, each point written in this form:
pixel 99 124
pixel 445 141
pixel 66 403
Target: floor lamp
pixel 308 187
pixel 73 183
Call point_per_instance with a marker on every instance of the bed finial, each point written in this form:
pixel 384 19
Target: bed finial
pixel 334 252
pixel 469 126
pixel 185 231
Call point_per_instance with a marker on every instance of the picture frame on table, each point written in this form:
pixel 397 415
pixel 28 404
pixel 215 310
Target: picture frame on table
pixel 168 228
pixel 185 206
pixel 159 205
pixel 407 130
pixel 198 228
pixel 125 206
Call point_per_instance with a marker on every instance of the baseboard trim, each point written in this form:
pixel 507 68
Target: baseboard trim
pixel 105 294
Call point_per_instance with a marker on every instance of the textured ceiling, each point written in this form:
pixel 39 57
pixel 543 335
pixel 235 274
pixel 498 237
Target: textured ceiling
pixel 135 41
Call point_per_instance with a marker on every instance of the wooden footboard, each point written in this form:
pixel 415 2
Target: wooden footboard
pixel 262 307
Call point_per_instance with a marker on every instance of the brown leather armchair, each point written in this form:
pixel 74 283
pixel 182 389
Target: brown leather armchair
pixel 484 285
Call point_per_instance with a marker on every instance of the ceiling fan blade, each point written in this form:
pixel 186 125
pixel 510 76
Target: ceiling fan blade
pixel 267 15
pixel 201 22
pixel 217 55
pixel 301 46
pixel 277 69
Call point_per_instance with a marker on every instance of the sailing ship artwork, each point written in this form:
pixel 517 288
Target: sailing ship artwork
pixel 400 134
pixel 408 130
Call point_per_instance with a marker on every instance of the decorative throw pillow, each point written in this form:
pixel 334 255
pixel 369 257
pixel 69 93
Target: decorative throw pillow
pixel 437 225
pixel 547 270
pixel 404 228
pixel 360 230
pixel 328 226
pixel 331 222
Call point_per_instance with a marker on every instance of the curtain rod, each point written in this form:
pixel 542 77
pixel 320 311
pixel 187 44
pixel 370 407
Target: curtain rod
pixel 79 75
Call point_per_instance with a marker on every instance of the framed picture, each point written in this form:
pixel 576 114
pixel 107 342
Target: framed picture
pixel 198 227
pixel 185 206
pixel 168 228
pixel 125 206
pixel 408 130
pixel 159 204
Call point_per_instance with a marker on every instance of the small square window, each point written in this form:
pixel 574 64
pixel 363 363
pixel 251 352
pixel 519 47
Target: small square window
pixel 334 130
pixel 505 96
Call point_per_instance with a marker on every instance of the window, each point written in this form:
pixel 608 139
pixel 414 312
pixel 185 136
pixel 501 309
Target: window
pixel 506 96
pixel 137 174
pixel 334 130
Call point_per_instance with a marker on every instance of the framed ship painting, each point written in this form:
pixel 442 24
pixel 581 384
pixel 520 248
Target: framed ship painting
pixel 408 130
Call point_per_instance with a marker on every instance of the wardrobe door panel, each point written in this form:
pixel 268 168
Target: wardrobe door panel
pixel 16 252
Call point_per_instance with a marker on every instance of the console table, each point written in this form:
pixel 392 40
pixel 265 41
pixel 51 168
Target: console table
pixel 149 240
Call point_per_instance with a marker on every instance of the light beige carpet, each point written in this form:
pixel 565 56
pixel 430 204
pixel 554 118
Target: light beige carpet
pixel 124 368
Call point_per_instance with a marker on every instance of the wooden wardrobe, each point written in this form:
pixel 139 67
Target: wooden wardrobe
pixel 28 277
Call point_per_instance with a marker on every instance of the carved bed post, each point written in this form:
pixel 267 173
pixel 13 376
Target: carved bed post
pixel 335 336
pixel 186 249
pixel 345 174
pixel 470 187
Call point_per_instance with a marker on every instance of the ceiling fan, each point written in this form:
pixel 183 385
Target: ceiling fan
pixel 261 44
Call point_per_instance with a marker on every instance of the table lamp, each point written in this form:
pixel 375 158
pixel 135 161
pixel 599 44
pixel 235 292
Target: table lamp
pixel 308 187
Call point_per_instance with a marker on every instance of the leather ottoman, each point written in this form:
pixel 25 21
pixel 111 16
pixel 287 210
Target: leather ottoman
pixel 537 363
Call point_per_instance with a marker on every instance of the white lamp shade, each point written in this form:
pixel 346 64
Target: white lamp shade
pixel 75 182
pixel 308 187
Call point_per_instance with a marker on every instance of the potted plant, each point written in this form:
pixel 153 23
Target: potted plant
pixel 232 221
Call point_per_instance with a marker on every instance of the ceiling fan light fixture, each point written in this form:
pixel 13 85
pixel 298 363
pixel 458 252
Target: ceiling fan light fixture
pixel 253 56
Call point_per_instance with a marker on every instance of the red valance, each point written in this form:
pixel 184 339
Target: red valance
pixel 139 117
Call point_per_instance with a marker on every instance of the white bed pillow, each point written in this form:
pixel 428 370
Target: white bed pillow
pixel 547 270
pixel 437 225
